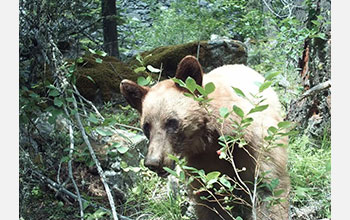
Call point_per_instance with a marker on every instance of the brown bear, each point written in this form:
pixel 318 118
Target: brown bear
pixel 179 125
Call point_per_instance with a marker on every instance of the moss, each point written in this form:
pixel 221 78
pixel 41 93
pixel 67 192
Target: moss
pixel 170 56
pixel 106 77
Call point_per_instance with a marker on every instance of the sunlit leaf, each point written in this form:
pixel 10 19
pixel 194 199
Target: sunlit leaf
pixel 153 69
pixel 238 111
pixel 258 109
pixel 209 88
pixel 191 84
pixel 265 85
pixel 238 92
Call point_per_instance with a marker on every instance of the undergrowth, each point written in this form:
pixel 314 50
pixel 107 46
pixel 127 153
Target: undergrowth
pixel 153 197
pixel 309 168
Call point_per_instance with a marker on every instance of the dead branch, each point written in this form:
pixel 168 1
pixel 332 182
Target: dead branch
pixel 96 161
pixel 70 170
pixel 316 89
pixel 59 188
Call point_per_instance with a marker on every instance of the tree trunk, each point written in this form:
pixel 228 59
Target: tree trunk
pixel 313 112
pixel 110 34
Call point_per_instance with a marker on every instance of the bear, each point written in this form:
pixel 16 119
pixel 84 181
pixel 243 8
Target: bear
pixel 176 124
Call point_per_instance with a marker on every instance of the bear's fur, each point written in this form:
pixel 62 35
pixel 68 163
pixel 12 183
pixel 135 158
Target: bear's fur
pixel 176 124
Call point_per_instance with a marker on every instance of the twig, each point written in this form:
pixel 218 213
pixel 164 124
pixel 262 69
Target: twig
pixel 87 101
pixel 316 89
pixel 128 126
pixel 96 161
pixel 60 188
pixel 70 170
pixel 273 12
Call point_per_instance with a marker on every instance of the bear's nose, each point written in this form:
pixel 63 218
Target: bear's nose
pixel 152 163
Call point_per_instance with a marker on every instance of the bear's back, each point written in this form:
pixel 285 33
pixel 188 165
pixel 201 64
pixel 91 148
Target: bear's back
pixel 248 81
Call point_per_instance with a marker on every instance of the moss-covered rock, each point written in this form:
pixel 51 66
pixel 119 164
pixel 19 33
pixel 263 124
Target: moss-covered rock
pixel 99 82
pixel 212 54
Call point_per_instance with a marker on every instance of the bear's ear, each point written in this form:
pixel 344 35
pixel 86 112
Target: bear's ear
pixel 189 66
pixel 133 93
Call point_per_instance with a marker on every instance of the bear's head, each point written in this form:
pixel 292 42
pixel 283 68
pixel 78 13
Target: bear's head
pixel 171 121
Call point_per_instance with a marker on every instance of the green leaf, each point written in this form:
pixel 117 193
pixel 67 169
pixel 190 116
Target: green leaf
pixel 201 90
pixel 58 102
pixel 85 204
pixel 272 130
pixel 51 87
pixel 98 60
pixel 179 82
pixel 65 159
pixel 142 81
pixel 80 60
pixel 225 182
pixel 172 172
pixel 247 120
pixel 224 112
pixel 272 75
pixel 140 69
pixel 191 84
pixel 54 93
pixel 238 111
pixel 238 92
pixel 101 53
pixel 259 108
pixel 92 118
pixel 284 124
pixel 289 133
pixel 182 175
pixel 315 22
pixel 213 175
pixel 139 58
pixel 69 99
pixel 92 51
pixel 122 149
pixel 174 158
pixel 265 85
pixel 209 88
pixel 104 132
pixel 278 192
pixel 152 69
pixel 91 79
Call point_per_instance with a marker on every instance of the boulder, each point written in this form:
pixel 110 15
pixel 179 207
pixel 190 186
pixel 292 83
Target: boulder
pixel 212 54
pixel 99 81
pixel 119 154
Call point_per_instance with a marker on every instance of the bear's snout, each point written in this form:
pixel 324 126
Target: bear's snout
pixel 156 165
pixel 152 163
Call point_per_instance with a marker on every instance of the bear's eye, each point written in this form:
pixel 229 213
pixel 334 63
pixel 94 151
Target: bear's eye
pixel 146 129
pixel 171 125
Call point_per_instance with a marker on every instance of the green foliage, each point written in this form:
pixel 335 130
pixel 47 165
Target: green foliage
pixel 310 173
pixel 149 195
pixel 195 91
pixel 145 81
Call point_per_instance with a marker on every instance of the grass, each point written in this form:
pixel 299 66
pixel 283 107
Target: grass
pixel 151 198
pixel 310 167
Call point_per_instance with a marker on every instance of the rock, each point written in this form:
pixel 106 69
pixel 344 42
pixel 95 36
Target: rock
pixel 212 54
pixel 114 160
pixel 99 82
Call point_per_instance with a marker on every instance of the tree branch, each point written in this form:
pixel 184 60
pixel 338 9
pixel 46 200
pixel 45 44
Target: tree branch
pixel 96 161
pixel 70 170
pixel 316 89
